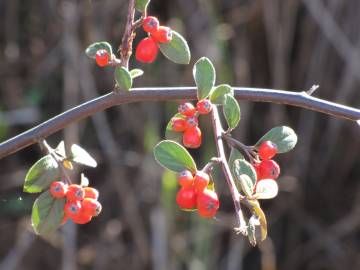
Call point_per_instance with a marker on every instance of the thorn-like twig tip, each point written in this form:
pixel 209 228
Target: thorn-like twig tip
pixel 312 89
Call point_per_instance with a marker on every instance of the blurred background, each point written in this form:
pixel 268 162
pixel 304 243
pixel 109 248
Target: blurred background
pixel 313 223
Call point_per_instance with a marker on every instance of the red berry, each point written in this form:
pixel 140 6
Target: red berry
pixel 102 58
pixel 150 24
pixel 147 50
pixel 257 169
pixel 192 137
pixel 187 109
pixel 267 150
pixel 269 169
pixel 178 124
pixel 186 179
pixel 91 193
pixel 72 209
pixel 204 106
pixel 207 203
pixel 58 189
pixel 162 35
pixel 91 207
pixel 75 193
pixel 186 198
pixel 82 218
pixel 201 181
pixel 192 121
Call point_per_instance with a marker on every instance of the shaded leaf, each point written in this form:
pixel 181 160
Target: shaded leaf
pixel 256 209
pixel 177 50
pixel 231 111
pixel 204 76
pixel 241 166
pixel 283 137
pixel 217 94
pixel 253 236
pixel 246 184
pixel 81 156
pixel 41 174
pixel 266 189
pixel 173 135
pixel 123 78
pixel 47 213
pixel 93 48
pixel 173 156
pixel 234 154
pixel 141 5
pixel 136 72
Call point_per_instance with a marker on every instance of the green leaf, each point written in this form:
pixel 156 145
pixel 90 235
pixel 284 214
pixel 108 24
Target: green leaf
pixel 93 48
pixel 136 72
pixel 266 189
pixel 79 155
pixel 231 111
pixel 204 76
pixel 284 137
pixel 41 174
pixel 177 50
pixel 60 149
pixel 123 78
pixel 173 135
pixel 141 5
pixel 173 156
pixel 241 166
pixel 254 222
pixel 256 210
pixel 47 213
pixel 246 184
pixel 217 94
pixel 234 154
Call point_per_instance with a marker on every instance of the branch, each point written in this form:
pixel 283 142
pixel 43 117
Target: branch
pixel 218 131
pixel 128 37
pixel 299 99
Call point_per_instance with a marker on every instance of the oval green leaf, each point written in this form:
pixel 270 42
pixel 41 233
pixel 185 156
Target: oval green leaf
pixel 231 111
pixel 47 213
pixel 177 50
pixel 284 137
pixel 136 72
pixel 123 78
pixel 173 135
pixel 41 174
pixel 246 184
pixel 141 5
pixel 217 94
pixel 241 166
pixel 266 189
pixel 173 156
pixel 93 48
pixel 234 155
pixel 204 76
pixel 81 156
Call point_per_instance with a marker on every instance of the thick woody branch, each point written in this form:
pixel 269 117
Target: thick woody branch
pixel 73 115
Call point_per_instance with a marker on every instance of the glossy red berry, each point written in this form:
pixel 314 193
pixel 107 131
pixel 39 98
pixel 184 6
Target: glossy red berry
pixel 72 209
pixel 58 189
pixel 207 203
pixel 204 106
pixel 91 207
pixel 75 193
pixel 178 124
pixel 269 169
pixel 267 150
pixel 162 35
pixel 186 198
pixel 102 58
pixel 81 218
pixel 192 121
pixel 146 50
pixel 185 178
pixel 187 109
pixel 91 193
pixel 201 181
pixel 150 24
pixel 192 137
pixel 257 169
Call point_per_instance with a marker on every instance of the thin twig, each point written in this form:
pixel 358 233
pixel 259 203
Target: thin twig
pixel 218 131
pixel 101 103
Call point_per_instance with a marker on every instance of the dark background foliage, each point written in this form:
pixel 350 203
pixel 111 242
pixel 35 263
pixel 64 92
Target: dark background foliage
pixel 313 223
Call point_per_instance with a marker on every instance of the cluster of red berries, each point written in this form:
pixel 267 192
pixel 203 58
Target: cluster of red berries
pixel 81 202
pixel 194 194
pixel 147 49
pixel 189 122
pixel 267 168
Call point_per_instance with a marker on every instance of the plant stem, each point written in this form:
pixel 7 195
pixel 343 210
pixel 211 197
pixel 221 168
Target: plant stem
pixel 43 130
pixel 218 131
